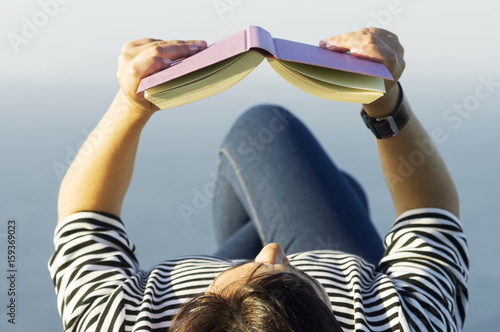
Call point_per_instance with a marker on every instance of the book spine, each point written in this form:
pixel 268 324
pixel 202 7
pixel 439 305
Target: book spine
pixel 259 38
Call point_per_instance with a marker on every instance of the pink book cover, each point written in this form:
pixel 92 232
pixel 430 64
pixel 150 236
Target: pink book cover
pixel 258 39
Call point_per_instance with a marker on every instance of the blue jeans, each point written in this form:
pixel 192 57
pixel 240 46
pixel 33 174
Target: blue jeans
pixel 276 184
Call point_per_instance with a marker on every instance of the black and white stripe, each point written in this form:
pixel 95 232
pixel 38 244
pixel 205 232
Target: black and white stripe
pixel 420 284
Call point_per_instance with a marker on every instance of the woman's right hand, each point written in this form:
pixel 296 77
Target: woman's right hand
pixel 143 57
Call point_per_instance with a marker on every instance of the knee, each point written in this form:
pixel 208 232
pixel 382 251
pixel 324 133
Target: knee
pixel 264 132
pixel 263 112
pixel 262 119
pixel 264 127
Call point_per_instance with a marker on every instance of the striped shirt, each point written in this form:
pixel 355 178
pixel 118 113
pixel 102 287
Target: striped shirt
pixel 419 285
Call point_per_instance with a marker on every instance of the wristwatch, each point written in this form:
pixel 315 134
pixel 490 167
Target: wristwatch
pixel 390 125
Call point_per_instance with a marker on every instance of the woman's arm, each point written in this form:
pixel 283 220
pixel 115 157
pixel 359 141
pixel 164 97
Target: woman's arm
pixel 427 183
pixel 100 174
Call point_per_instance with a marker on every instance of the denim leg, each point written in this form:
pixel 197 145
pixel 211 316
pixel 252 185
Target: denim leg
pixel 277 176
pixel 228 213
pixel 236 235
pixel 242 244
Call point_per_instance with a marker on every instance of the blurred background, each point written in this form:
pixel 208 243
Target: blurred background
pixel 58 65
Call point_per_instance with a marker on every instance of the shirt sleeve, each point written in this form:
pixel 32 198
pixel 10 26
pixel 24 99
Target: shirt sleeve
pixel 426 258
pixel 93 257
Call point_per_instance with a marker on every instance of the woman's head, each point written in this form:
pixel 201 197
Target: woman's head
pixel 267 294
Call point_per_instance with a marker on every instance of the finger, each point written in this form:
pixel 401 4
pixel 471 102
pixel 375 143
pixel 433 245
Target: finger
pixel 132 49
pixel 200 43
pixel 387 37
pixel 332 46
pixel 143 66
pixel 156 56
pixel 174 49
pixel 378 31
pixel 142 41
pixel 136 47
pixel 350 40
pixel 383 54
pixel 340 43
pixel 373 44
pixel 366 31
pixel 344 42
pixel 374 52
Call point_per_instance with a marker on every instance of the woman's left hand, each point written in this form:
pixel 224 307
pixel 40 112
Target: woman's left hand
pixel 377 45
pixel 373 44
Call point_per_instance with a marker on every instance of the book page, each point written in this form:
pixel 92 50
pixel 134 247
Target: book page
pixel 194 76
pixel 210 85
pixel 323 89
pixel 337 77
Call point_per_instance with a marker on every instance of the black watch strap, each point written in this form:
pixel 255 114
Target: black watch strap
pixel 390 125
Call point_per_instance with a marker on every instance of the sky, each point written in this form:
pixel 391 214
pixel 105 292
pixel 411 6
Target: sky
pixel 58 75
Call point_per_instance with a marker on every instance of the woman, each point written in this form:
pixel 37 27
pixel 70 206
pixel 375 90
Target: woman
pixel 274 199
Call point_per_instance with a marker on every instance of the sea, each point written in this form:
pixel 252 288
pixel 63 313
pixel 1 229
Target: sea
pixel 176 161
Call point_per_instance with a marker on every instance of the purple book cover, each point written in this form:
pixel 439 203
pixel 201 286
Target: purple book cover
pixel 257 38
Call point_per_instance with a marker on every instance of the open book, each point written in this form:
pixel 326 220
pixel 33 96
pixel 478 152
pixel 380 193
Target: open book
pixel 320 72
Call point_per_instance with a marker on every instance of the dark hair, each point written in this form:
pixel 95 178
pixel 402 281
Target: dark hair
pixel 266 302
